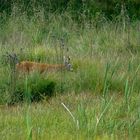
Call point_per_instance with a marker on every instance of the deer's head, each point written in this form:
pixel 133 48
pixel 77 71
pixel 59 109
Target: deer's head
pixel 67 63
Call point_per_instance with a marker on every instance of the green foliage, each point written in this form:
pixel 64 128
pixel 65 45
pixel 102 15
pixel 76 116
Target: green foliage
pixel 79 9
pixel 89 76
pixel 90 49
pixel 102 91
pixel 37 87
pixel 98 118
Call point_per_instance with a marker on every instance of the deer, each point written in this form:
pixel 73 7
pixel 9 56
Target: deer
pixel 30 66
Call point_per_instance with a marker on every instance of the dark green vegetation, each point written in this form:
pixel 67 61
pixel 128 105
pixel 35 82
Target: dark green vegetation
pixel 79 9
pixel 102 93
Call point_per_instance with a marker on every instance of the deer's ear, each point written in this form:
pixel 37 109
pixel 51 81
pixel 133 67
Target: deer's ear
pixel 64 59
pixel 69 58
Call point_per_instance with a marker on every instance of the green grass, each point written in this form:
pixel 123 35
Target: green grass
pixel 102 92
pixel 97 117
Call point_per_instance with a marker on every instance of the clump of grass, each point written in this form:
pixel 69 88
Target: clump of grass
pixel 40 88
pixel 88 77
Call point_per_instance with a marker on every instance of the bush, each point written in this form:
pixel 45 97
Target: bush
pixel 34 88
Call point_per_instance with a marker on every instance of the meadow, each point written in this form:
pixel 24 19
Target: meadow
pixel 99 99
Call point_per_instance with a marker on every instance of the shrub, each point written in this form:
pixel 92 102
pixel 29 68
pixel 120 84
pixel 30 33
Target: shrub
pixel 34 88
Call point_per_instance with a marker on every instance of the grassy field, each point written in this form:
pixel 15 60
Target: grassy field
pixel 99 99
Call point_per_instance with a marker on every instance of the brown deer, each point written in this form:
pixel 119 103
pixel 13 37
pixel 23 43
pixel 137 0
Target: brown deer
pixel 28 66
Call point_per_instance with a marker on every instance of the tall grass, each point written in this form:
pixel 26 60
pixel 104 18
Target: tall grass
pixel 101 93
pixel 91 49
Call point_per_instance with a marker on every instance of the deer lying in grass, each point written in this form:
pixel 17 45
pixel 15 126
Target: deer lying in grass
pixel 28 66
